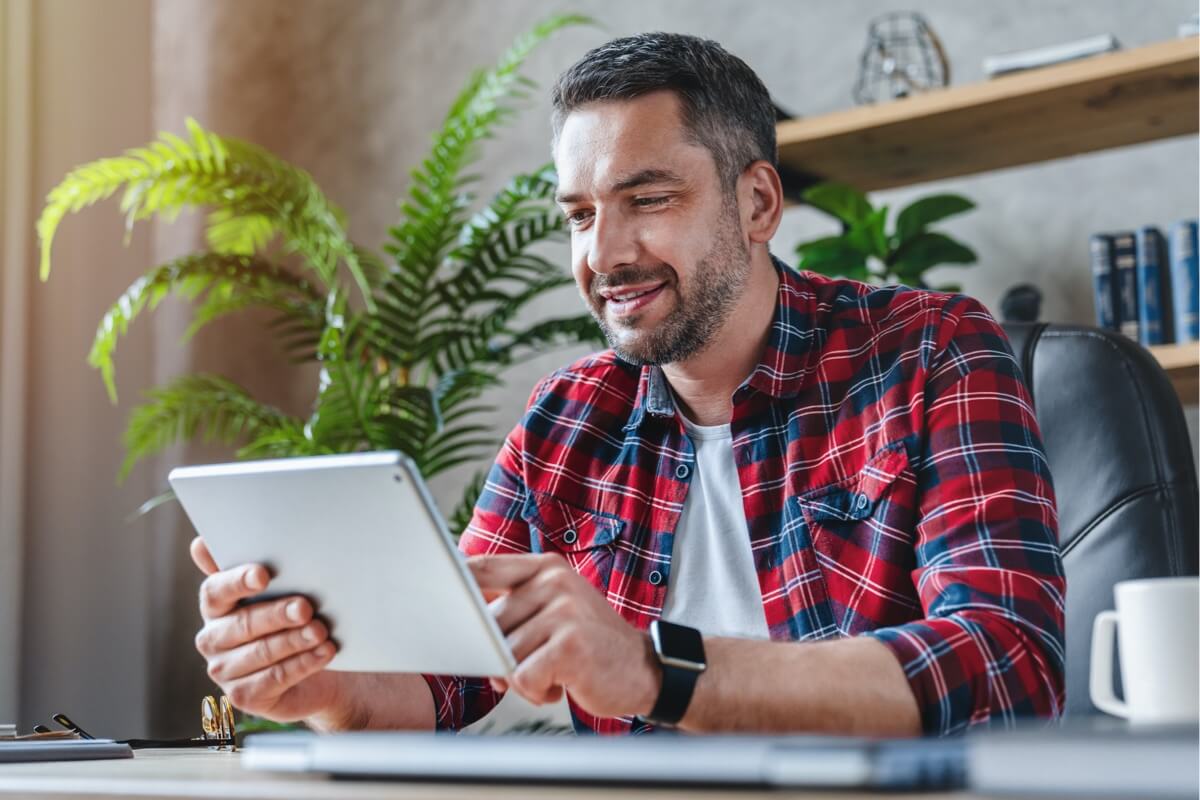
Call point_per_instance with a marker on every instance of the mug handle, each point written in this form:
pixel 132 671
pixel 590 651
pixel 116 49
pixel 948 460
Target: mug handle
pixel 1101 684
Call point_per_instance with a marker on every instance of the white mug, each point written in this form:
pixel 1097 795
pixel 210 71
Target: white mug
pixel 1157 627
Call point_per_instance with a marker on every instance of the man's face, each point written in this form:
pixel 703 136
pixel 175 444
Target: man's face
pixel 656 241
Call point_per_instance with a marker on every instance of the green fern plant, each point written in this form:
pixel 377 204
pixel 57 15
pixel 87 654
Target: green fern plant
pixel 437 318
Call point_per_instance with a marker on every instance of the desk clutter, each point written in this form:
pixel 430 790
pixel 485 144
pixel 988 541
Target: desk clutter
pixel 72 743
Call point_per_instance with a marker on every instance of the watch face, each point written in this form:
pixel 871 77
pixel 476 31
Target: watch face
pixel 680 643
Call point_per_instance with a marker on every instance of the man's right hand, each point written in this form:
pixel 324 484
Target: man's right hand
pixel 269 658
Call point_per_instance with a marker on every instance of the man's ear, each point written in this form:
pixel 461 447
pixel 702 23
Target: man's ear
pixel 760 199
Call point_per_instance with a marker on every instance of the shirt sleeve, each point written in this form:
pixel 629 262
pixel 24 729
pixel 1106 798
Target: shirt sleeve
pixel 988 568
pixel 496 527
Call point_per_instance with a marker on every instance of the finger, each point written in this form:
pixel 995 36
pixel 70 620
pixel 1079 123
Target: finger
pixel 499 685
pixel 517 607
pixel 536 677
pixel 260 689
pixel 202 558
pixel 251 623
pixel 262 653
pixel 534 633
pixel 221 591
pixel 501 573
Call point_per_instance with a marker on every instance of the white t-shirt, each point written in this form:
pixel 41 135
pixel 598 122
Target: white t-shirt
pixel 714 586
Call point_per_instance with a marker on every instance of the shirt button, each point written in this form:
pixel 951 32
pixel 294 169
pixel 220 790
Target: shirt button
pixel 655 578
pixel 682 471
pixel 863 502
pixel 570 536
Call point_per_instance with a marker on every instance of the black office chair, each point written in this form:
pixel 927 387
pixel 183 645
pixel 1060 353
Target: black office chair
pixel 1121 459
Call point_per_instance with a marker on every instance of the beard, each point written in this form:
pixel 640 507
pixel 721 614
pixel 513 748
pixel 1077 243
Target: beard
pixel 717 284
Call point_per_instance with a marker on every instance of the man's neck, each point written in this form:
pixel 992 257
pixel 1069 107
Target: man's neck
pixel 704 384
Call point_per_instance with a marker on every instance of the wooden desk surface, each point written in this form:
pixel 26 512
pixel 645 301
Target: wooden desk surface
pixel 203 774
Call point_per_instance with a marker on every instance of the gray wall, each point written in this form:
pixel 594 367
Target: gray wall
pixel 350 91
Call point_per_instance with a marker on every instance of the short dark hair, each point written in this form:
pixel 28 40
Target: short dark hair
pixel 726 108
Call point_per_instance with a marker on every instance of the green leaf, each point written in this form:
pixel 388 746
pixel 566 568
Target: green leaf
pixel 461 517
pixel 196 404
pixel 868 234
pixel 928 250
pixel 255 280
pixel 835 257
pixel 919 215
pixel 844 202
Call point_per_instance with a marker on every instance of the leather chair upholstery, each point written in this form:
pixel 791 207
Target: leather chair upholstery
pixel 1121 459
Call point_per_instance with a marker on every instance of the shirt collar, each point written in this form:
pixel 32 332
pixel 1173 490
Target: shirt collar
pixel 780 371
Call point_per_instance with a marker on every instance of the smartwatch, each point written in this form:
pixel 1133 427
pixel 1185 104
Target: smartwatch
pixel 680 652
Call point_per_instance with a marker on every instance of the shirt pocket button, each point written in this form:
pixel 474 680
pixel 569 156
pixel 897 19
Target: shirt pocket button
pixel 655 578
pixel 570 536
pixel 682 471
pixel 862 502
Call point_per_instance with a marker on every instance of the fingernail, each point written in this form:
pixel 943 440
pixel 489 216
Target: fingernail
pixel 254 579
pixel 324 651
pixel 309 633
pixel 293 611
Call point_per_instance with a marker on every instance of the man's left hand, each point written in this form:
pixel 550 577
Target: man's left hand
pixel 565 635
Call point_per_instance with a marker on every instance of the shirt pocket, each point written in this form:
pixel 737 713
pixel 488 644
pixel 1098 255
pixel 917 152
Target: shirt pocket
pixel 861 529
pixel 585 538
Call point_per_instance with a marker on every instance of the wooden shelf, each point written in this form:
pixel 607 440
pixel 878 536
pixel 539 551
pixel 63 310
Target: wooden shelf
pixel 1182 364
pixel 1097 103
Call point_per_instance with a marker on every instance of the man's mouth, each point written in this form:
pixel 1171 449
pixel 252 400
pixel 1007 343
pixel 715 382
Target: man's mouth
pixel 625 300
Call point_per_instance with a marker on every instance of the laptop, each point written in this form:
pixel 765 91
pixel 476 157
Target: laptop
pixel 660 759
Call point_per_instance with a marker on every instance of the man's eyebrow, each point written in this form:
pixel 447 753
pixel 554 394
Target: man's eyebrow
pixel 644 178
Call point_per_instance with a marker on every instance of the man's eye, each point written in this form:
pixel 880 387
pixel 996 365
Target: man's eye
pixel 577 218
pixel 645 202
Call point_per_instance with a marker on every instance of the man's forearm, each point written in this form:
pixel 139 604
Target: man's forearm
pixel 379 701
pixel 849 686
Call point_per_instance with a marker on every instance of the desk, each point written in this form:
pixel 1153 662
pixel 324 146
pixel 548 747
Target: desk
pixel 203 774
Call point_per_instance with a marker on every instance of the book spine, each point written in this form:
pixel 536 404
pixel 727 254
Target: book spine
pixel 1154 301
pixel 1125 272
pixel 1100 246
pixel 1184 281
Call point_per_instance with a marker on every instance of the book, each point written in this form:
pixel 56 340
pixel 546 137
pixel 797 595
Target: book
pixel 1154 288
pixel 1124 257
pixel 1184 281
pixel 1103 283
pixel 1053 54
pixel 62 750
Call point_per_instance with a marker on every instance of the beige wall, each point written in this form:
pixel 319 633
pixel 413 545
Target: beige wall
pixel 350 91
pixel 83 644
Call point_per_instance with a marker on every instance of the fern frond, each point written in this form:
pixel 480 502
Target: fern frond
pixel 255 194
pixel 191 275
pixel 460 518
pixel 195 404
pixel 437 204
pixel 547 334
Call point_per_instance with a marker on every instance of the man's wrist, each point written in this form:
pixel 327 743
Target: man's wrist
pixel 652 686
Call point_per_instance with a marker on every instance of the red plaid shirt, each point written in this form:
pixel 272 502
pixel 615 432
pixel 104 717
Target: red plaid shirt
pixel 894 484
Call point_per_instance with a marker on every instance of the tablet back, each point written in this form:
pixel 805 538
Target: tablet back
pixel 360 536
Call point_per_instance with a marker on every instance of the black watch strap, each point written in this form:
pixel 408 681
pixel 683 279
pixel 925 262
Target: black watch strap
pixel 680 652
pixel 677 687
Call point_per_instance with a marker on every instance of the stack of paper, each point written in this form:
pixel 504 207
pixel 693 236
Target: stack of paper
pixel 7 730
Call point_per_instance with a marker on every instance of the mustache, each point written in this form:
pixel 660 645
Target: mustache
pixel 629 276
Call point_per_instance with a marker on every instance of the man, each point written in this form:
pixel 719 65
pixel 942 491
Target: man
pixel 842 488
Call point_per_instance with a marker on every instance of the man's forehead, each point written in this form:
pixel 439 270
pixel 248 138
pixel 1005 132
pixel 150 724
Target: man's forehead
pixel 611 142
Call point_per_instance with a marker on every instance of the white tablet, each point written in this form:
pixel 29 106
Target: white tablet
pixel 359 535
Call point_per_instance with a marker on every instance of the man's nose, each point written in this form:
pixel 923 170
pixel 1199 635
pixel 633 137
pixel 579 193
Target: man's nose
pixel 612 244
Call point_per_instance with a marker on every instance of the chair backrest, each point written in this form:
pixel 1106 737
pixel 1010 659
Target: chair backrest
pixel 1121 459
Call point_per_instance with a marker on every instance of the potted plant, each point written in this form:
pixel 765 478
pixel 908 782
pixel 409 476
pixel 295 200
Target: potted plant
pixel 866 250
pixel 407 340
